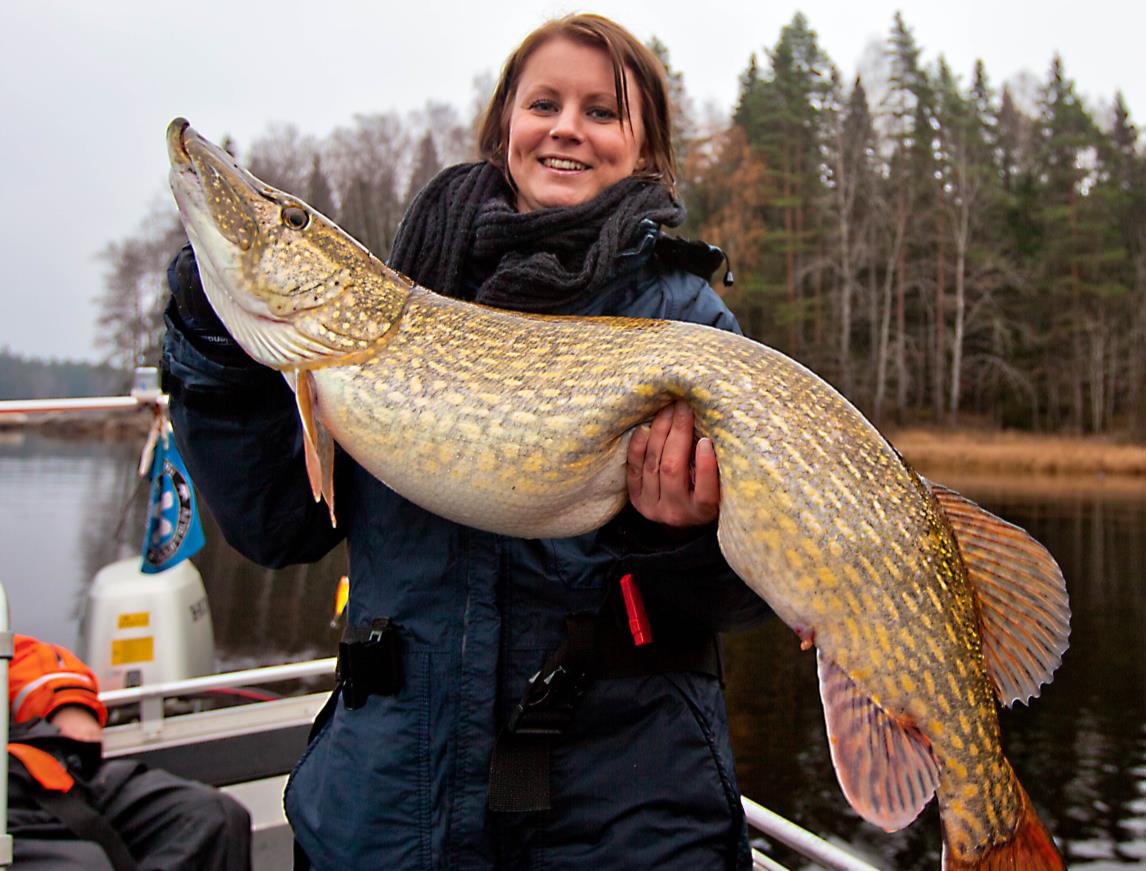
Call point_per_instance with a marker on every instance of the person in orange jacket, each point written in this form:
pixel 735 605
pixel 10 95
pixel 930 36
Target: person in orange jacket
pixel 68 808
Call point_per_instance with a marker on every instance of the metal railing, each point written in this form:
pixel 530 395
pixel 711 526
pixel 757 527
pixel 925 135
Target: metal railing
pixel 144 393
pixel 805 843
pixel 150 697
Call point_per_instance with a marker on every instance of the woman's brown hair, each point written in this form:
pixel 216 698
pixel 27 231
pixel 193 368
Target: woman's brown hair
pixel 625 53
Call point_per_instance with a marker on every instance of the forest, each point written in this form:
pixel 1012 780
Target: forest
pixel 942 249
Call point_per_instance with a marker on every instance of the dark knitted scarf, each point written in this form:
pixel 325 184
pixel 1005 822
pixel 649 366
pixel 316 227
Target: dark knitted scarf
pixel 463 237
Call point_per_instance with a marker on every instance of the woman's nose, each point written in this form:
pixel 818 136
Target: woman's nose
pixel 567 124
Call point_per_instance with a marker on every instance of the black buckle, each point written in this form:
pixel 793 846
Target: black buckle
pixel 546 708
pixel 372 666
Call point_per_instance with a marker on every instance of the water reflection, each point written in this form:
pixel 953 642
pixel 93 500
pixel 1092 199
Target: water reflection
pixel 1080 750
pixel 71 507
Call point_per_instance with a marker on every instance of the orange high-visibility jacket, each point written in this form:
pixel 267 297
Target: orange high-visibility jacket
pixel 44 677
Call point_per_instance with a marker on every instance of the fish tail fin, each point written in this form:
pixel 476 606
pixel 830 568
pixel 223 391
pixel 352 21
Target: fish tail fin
pixel 1030 848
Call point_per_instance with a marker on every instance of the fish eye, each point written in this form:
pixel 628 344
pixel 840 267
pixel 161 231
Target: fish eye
pixel 295 218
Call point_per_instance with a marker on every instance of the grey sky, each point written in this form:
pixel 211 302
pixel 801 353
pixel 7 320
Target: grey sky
pixel 87 89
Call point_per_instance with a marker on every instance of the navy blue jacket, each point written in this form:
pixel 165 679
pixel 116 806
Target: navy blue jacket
pixel 643 777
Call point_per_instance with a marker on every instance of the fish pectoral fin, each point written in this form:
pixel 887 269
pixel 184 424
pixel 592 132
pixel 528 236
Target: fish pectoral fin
pixel 1022 597
pixel 884 767
pixel 317 442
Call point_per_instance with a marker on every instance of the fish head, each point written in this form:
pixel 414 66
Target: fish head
pixel 277 272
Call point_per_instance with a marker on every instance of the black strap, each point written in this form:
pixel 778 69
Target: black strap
pixel 84 821
pixel 519 773
pixel 595 648
pixel 519 766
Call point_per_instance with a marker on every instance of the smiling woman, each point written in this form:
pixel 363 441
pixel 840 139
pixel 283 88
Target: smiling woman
pixel 421 760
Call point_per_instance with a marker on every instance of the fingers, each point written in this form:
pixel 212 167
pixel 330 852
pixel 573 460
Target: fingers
pixel 650 460
pixel 676 457
pixel 669 480
pixel 635 462
pixel 706 492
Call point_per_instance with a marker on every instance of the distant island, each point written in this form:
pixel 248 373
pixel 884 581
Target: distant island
pixel 29 378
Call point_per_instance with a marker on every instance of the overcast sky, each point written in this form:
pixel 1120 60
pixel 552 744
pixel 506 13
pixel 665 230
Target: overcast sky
pixel 87 89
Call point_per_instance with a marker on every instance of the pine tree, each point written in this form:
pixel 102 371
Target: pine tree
pixel 780 115
pixel 1064 159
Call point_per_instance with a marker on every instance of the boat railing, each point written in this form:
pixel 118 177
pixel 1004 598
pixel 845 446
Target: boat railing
pixel 154 727
pixel 145 393
pixel 150 697
pixel 810 846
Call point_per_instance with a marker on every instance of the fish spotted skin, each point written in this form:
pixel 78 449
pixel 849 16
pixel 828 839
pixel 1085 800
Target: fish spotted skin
pixel 519 424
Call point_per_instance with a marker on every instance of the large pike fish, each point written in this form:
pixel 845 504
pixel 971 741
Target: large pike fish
pixel 924 609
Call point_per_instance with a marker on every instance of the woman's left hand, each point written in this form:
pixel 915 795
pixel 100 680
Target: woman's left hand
pixel 669 480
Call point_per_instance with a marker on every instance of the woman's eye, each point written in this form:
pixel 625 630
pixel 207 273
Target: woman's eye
pixel 543 106
pixel 602 113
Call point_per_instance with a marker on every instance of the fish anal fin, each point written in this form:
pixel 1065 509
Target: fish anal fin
pixel 1022 597
pixel 884 766
pixel 317 443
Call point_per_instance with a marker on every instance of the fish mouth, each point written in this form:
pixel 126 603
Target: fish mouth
pixel 176 149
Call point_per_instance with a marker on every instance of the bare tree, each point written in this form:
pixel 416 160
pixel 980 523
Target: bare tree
pixel 284 158
pixel 367 161
pixel 135 290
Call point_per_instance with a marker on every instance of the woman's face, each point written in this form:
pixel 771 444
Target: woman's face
pixel 566 139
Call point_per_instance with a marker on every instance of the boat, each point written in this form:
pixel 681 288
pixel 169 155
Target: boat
pixel 227 730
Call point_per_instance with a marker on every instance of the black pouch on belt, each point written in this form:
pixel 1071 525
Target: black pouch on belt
pixel 369 662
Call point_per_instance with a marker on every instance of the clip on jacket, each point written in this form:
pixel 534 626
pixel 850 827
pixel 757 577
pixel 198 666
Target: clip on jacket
pixel 369 663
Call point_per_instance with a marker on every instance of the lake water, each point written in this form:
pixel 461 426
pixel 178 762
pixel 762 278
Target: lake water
pixel 67 508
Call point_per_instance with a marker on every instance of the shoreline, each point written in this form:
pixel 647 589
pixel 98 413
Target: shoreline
pixel 985 459
pixel 1005 462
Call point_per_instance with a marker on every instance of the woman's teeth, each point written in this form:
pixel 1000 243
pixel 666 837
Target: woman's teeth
pixel 559 163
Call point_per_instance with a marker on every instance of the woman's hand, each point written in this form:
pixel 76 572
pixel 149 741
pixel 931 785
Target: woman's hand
pixel 669 480
pixel 77 722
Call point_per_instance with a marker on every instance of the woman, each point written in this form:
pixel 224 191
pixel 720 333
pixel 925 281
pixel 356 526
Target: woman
pixel 438 750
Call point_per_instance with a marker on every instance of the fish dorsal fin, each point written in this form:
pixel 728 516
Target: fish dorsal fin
pixel 885 767
pixel 317 441
pixel 1022 597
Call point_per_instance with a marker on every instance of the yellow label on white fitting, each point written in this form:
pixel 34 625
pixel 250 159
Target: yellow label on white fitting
pixel 132 650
